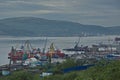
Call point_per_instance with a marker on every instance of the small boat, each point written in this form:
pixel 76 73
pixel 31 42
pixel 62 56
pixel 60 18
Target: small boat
pixel 117 39
pixel 78 48
pixel 113 55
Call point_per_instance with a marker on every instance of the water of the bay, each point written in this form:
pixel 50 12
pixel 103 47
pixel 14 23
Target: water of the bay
pixel 39 42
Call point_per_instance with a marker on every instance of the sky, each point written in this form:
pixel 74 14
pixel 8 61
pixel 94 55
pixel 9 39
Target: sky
pixel 93 12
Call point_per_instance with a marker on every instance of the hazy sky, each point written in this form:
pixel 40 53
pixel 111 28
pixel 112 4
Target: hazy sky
pixel 100 12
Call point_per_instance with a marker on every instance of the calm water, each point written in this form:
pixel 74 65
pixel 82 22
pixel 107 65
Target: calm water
pixel 59 42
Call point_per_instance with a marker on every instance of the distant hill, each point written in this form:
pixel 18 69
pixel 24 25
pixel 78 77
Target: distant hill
pixel 31 26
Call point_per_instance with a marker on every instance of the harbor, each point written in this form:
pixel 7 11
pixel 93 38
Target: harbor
pixel 59 40
pixel 26 56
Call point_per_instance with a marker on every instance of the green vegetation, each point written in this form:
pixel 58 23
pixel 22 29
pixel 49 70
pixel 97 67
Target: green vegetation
pixel 104 70
pixel 21 75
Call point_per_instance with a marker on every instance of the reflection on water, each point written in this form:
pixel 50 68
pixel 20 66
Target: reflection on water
pixel 60 42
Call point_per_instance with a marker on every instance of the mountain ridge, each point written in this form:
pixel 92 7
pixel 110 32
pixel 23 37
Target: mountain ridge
pixel 32 26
